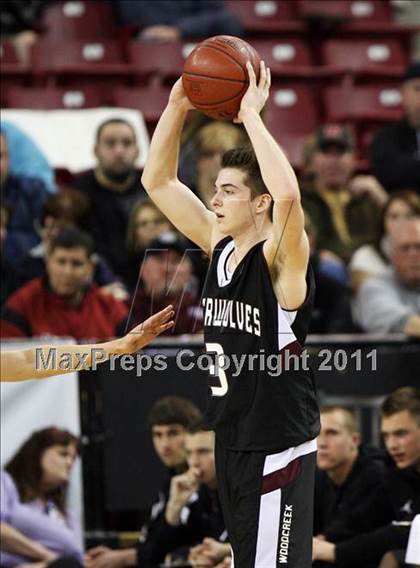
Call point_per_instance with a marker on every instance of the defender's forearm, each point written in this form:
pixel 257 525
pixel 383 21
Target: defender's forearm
pixel 276 171
pixel 162 160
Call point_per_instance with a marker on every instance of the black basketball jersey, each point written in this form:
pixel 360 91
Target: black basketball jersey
pixel 250 408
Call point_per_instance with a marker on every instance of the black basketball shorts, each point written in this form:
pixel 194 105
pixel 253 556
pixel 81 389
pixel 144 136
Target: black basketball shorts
pixel 267 503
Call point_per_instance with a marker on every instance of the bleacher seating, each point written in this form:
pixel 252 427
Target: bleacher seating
pixel 12 71
pixel 162 61
pixel 54 98
pixel 150 100
pixel 360 104
pixel 364 58
pixel 264 16
pixel 79 20
pixel 346 10
pixel 286 57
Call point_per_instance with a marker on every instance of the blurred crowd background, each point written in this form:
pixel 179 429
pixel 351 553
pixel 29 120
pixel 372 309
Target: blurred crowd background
pixel 85 254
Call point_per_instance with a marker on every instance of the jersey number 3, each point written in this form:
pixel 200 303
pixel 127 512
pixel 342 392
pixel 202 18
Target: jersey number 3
pixel 222 388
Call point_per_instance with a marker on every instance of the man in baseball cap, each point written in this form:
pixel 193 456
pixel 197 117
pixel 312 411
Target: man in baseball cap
pixel 395 150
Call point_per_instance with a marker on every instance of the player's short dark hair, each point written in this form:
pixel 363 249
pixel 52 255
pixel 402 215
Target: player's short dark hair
pixel 199 426
pixel 114 121
pixel 69 238
pixel 245 160
pixel 349 415
pixel 404 398
pixel 174 410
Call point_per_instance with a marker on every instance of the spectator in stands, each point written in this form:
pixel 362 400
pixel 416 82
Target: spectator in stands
pixel 25 157
pixel 211 142
pixel 33 497
pixel 68 208
pixel 27 196
pixel 112 188
pixel 167 278
pixel 193 511
pixel 395 150
pixel 346 476
pixel 169 420
pixel 9 280
pixel 391 303
pixel 344 208
pixel 165 20
pixel 373 259
pixel 146 223
pixel 64 303
pixel 20 22
pixel 383 518
pixel 331 311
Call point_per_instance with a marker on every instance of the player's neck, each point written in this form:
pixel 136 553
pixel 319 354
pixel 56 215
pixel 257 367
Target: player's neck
pixel 250 237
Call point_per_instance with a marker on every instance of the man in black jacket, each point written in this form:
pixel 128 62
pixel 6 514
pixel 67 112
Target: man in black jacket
pixel 395 150
pixel 345 475
pixel 385 519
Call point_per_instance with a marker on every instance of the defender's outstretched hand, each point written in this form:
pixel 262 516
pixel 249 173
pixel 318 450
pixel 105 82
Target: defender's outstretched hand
pixel 256 95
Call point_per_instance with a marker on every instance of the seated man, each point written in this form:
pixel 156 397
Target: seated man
pixel 166 277
pixel 193 511
pixel 169 420
pixel 391 303
pixel 67 208
pixel 345 476
pixel 64 303
pixel 344 208
pixel 395 150
pixel 385 518
pixel 27 196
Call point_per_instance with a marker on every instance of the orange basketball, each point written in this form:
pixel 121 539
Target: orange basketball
pixel 215 76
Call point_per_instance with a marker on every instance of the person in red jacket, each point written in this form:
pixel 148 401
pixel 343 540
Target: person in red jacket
pixel 64 302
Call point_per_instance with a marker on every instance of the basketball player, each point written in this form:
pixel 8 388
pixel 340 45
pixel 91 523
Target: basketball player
pixel 257 301
pixel 21 365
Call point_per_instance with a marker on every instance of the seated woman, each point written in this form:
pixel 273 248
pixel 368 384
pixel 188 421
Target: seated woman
pixel 372 260
pixel 33 497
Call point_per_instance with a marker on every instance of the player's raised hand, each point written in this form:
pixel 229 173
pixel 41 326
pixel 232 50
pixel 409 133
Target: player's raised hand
pixel 145 332
pixel 178 96
pixel 257 93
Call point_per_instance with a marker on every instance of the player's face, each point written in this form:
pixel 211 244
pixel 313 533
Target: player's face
pixel 69 270
pixel 411 101
pixel 169 444
pixel 401 434
pixel 56 464
pixel 332 167
pixel 406 253
pixel 337 446
pixel 4 160
pixel 200 456
pixel 232 203
pixel 117 151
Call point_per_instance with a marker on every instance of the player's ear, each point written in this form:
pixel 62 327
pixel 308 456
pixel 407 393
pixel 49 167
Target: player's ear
pixel 264 202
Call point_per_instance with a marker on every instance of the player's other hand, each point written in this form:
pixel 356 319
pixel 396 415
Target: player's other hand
pixel 257 94
pixel 178 96
pixel 183 486
pixel 145 332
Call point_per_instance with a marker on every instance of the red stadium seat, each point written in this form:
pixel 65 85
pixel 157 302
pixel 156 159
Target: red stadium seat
pixel 360 104
pixel 53 98
pixel 382 57
pixel 291 117
pixel 79 20
pixel 165 60
pixel 286 57
pixel 150 101
pixel 12 71
pixel 266 15
pixel 356 10
pixel 90 60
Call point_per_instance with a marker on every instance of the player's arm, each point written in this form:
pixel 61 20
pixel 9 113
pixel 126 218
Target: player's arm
pixel 288 245
pixel 160 176
pixel 38 363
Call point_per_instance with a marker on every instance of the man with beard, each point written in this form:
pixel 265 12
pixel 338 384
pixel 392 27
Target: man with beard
pixel 112 188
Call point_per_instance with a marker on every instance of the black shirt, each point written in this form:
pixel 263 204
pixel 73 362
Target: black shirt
pixel 256 411
pixel 108 216
pixel 395 156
